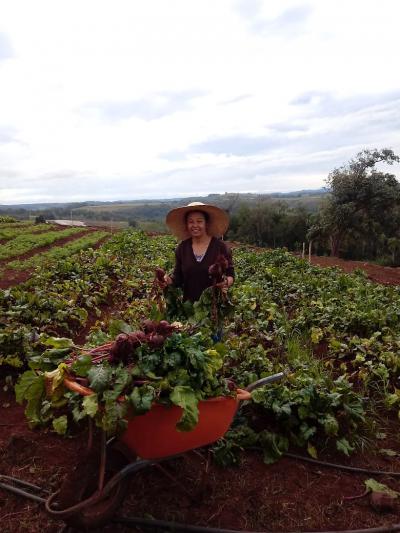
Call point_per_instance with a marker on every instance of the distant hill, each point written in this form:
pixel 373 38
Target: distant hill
pixel 156 209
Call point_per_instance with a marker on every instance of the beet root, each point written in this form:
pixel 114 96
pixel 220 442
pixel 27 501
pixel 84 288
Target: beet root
pixel 382 502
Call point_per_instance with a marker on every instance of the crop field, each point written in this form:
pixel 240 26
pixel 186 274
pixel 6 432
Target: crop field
pixel 97 317
pixel 25 246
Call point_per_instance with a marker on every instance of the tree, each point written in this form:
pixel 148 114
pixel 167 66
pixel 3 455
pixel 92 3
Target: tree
pixel 40 219
pixel 394 246
pixel 269 223
pixel 361 196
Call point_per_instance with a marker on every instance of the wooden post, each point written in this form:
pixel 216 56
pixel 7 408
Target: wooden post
pixel 303 253
pixel 309 251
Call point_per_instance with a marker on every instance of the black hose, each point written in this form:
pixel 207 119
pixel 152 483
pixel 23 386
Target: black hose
pixel 340 467
pixel 20 491
pixel 161 525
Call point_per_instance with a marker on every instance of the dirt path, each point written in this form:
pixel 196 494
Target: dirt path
pixel 379 274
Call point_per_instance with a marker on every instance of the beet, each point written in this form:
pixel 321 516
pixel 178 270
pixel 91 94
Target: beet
pixel 218 269
pixel 156 341
pixel 140 336
pixel 160 273
pixel 231 384
pixel 121 349
pixel 149 325
pixel 164 328
pixel 383 502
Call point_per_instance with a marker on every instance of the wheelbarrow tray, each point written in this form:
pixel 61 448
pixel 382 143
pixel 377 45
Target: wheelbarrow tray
pixel 154 434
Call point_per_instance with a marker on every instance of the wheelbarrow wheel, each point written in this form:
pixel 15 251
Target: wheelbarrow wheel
pixel 100 512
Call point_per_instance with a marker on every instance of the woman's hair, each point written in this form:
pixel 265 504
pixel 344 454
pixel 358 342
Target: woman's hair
pixel 205 215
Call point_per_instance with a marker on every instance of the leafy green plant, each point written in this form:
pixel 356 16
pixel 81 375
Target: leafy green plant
pixel 183 371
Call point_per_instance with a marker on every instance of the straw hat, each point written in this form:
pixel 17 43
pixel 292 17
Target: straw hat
pixel 217 225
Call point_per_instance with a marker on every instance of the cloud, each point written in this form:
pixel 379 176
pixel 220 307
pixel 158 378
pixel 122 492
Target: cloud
pixel 261 95
pixel 7 135
pixel 6 50
pixel 236 99
pixel 289 23
pixel 326 104
pixel 62 175
pixel 8 173
pixel 361 122
pixel 236 145
pixel 287 127
pixel 152 107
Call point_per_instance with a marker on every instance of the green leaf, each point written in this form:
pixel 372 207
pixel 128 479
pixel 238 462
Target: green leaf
pixel 29 387
pixel 118 326
pixel 273 445
pixel 113 416
pixel 99 377
pixel 142 399
pixel 312 451
pixel 123 378
pixel 331 425
pixel 81 313
pixel 343 445
pixel 90 405
pixel 55 355
pixel 375 486
pixel 78 414
pixel 60 424
pixel 307 431
pixel 56 342
pixel 82 365
pixel 388 452
pixel 316 335
pixel 303 412
pixel 185 397
pixel 54 380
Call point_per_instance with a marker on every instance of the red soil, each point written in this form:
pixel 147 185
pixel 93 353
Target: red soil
pixel 289 495
pixel 379 274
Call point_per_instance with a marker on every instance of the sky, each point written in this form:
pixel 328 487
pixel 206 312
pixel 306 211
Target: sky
pixel 131 99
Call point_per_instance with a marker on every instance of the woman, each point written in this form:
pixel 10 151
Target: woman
pixel 198 225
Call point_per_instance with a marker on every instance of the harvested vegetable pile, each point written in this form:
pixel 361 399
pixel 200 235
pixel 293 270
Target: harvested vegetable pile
pixel 160 363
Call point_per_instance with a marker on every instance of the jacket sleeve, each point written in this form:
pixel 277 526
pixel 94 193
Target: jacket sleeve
pixel 177 275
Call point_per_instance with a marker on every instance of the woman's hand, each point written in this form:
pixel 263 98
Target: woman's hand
pixel 225 284
pixel 166 281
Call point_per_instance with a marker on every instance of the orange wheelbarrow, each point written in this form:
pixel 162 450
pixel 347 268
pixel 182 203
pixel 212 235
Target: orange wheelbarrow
pixel 148 440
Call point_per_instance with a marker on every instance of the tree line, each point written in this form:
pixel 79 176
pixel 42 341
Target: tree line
pixel 358 219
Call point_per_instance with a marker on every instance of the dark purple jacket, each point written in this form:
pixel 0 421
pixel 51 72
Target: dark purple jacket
pixel 193 275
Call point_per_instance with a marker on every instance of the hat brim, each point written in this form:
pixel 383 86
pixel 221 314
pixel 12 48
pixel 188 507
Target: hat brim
pixel 216 227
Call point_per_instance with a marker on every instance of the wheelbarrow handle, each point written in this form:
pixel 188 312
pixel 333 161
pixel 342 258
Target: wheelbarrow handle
pixel 265 381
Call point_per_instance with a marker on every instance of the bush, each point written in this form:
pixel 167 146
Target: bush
pixel 5 219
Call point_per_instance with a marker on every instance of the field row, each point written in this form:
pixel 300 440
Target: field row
pixel 335 335
pixel 26 242
pixel 8 232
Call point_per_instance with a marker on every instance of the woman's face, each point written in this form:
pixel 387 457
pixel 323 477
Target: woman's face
pixel 196 224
